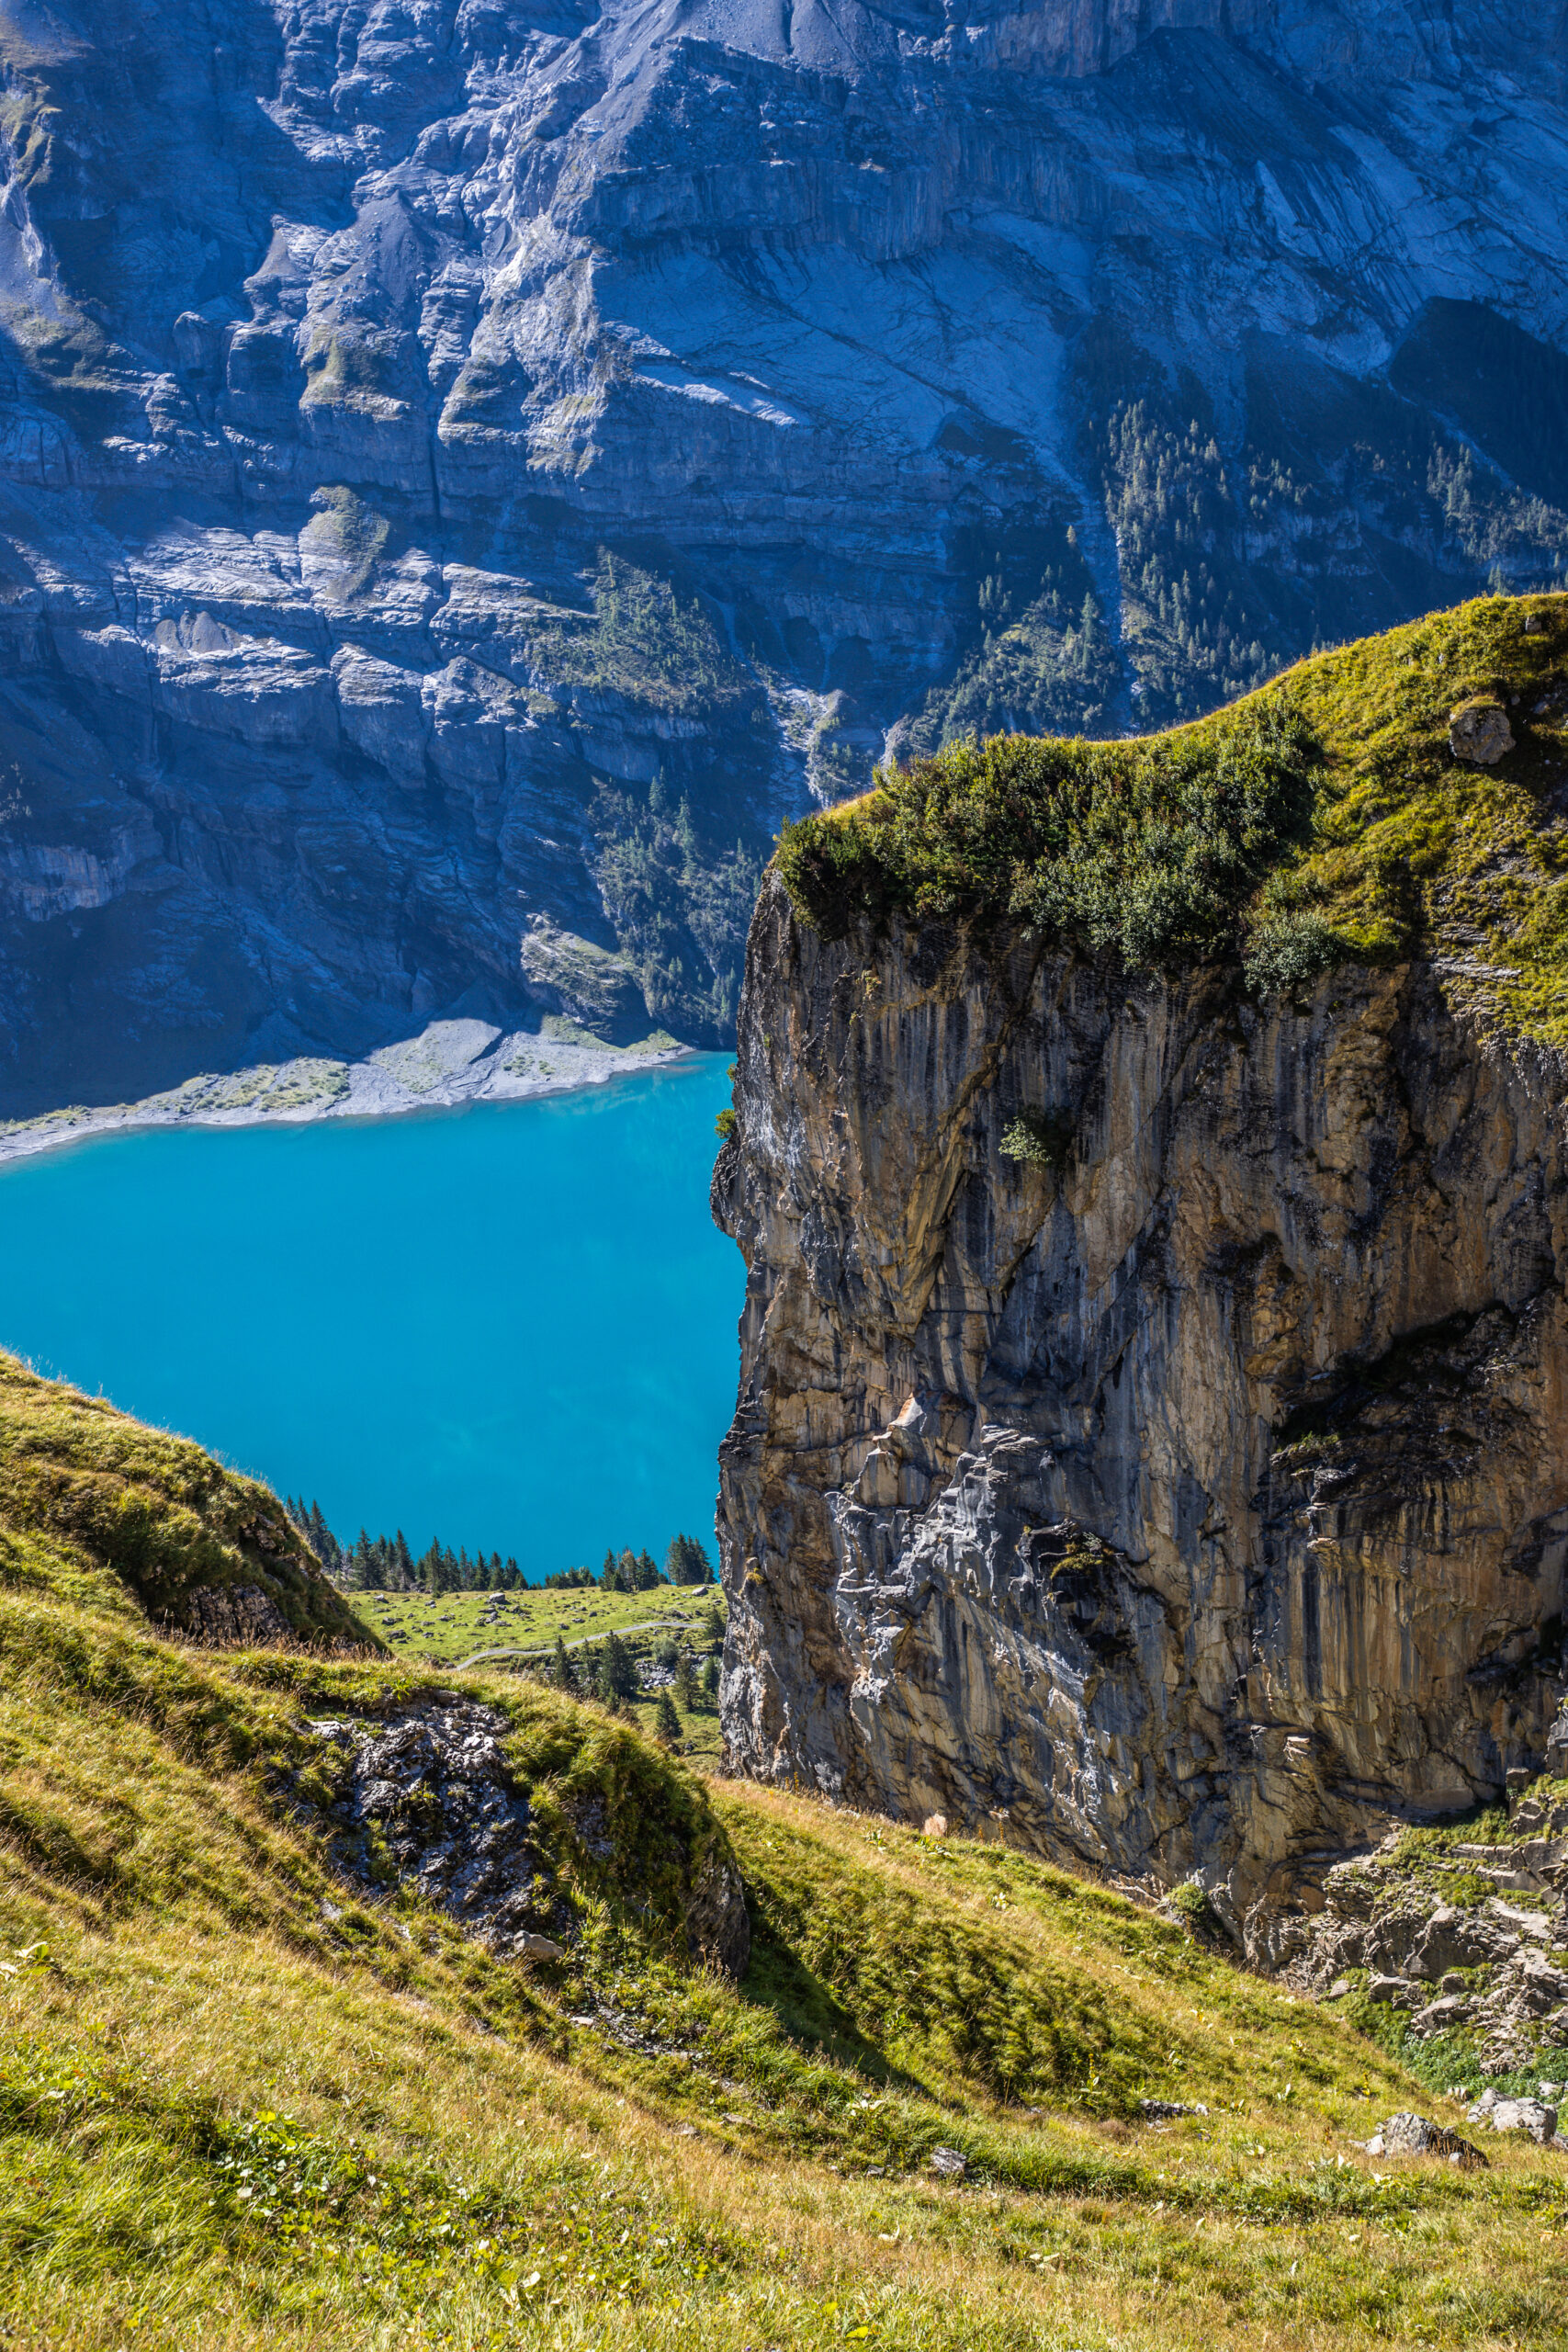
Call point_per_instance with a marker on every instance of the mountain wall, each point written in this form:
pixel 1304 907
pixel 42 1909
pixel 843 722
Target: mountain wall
pixel 469 469
pixel 1182 1493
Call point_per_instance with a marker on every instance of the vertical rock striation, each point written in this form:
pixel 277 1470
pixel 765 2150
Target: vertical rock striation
pixel 1180 1499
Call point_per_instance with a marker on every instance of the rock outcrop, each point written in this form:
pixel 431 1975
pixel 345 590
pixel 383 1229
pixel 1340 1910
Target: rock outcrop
pixel 426 1797
pixel 1186 1498
pixel 467 471
pixel 1467 1937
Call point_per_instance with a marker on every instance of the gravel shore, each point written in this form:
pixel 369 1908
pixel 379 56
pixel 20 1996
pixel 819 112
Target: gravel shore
pixel 449 1062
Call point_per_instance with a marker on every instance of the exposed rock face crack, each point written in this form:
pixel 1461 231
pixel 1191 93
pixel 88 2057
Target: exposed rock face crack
pixel 1207 1502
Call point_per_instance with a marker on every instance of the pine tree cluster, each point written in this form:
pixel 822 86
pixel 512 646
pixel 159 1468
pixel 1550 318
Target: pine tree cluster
pixel 385 1563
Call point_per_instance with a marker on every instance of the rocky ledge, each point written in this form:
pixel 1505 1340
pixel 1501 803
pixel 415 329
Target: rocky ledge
pixel 1460 1938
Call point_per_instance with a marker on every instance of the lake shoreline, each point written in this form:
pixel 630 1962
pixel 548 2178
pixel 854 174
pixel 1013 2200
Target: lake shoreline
pixel 449 1064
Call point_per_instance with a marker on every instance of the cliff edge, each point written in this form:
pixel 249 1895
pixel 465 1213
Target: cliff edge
pixel 1149 1167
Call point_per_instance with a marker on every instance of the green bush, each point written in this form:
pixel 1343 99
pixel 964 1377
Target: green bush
pixel 1044 1138
pixel 1288 951
pixel 726 1124
pixel 1147 849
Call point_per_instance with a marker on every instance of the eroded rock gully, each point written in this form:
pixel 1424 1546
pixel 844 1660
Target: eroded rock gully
pixel 1195 1505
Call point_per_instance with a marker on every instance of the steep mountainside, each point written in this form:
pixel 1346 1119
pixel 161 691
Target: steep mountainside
pixel 468 468
pixel 1150 1166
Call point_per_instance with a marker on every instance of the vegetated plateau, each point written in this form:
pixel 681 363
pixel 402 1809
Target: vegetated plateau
pixel 259 2087
pixel 1322 819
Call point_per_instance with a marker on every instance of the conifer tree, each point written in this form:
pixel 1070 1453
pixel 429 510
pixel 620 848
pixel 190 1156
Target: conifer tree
pixel 610 1577
pixel 684 1689
pixel 666 1721
pixel 565 1672
pixel 713 1626
pixel 619 1668
pixel 710 1682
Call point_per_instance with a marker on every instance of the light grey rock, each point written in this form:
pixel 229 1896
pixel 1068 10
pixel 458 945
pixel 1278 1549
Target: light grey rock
pixel 530 1947
pixel 1407 2134
pixel 949 2164
pixel 1442 2016
pixel 1479 732
pixel 1522 2115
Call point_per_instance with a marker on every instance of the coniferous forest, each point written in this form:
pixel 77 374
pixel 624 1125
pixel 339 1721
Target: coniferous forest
pixel 387 1564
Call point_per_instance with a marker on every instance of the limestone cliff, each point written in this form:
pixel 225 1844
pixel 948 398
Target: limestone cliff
pixel 468 468
pixel 1186 1494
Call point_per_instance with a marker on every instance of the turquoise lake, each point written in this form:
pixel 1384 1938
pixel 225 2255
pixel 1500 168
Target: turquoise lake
pixel 510 1325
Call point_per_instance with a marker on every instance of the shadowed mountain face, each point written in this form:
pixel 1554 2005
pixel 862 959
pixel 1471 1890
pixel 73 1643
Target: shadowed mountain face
pixel 469 469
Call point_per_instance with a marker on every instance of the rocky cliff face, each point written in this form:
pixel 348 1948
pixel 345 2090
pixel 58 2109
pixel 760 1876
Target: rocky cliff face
pixel 1185 1500
pixel 468 467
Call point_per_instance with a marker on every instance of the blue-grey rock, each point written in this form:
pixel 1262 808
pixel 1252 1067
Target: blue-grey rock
pixel 431 431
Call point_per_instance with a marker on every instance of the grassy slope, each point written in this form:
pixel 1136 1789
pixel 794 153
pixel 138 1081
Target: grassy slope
pixel 453 1625
pixel 457 1625
pixel 242 2104
pixel 1402 846
pixel 83 1487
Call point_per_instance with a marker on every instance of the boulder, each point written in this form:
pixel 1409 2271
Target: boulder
pixel 1441 2016
pixel 718 1928
pixel 1397 1991
pixel 1453 1939
pixel 951 2163
pixel 1407 2134
pixel 1479 732
pixel 1531 2115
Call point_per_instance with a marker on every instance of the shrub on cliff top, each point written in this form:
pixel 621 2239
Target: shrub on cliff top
pixel 1325 818
pixel 1149 848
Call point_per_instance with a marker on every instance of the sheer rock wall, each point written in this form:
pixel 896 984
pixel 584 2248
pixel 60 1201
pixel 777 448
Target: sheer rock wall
pixel 1189 1506
pixel 337 338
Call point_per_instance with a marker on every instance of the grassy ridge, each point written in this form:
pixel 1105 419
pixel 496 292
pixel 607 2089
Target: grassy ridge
pixel 1321 818
pixel 96 1505
pixel 244 2102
